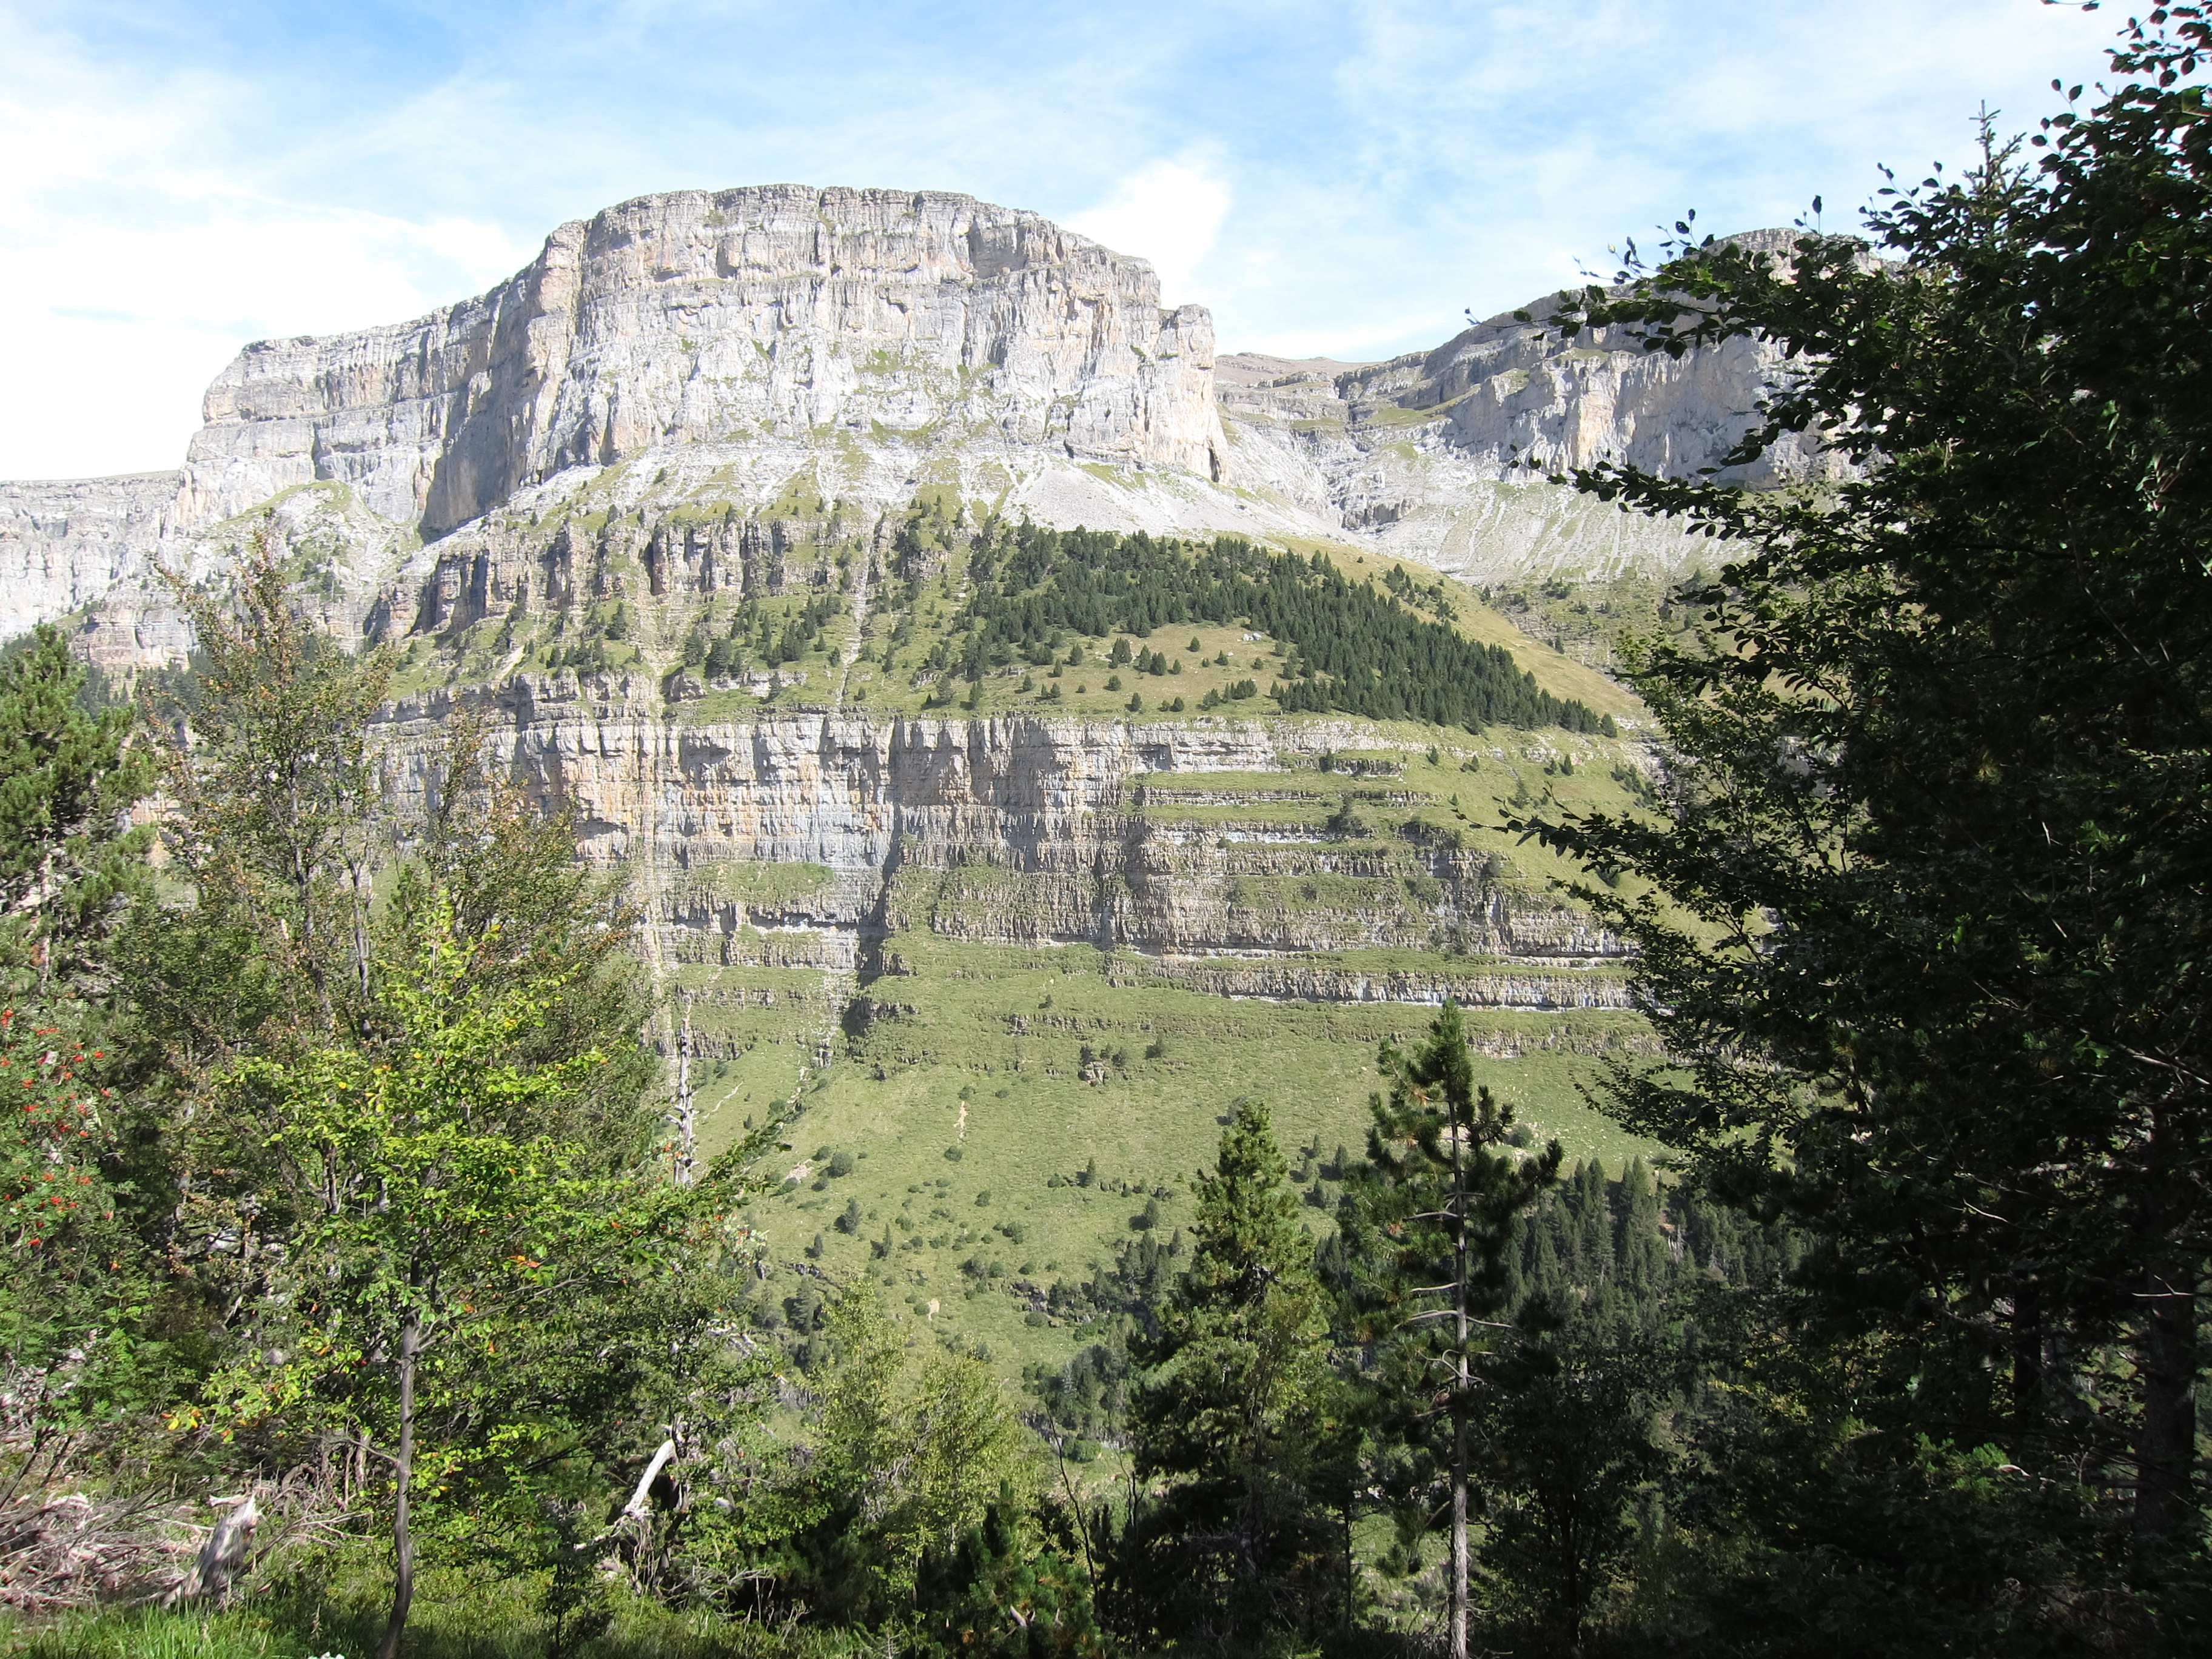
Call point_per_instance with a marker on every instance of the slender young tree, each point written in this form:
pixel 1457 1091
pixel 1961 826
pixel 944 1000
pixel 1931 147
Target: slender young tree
pixel 448 1217
pixel 303 864
pixel 1432 1213
pixel 455 1257
pixel 1236 1410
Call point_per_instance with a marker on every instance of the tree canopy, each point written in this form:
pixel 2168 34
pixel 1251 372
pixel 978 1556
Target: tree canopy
pixel 1928 897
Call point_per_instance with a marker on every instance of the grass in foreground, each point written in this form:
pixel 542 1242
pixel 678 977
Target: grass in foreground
pixel 454 1618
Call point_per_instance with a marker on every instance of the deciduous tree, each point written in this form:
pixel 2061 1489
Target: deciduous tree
pixel 447 1219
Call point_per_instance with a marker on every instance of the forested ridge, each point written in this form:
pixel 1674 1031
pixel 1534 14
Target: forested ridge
pixel 1357 649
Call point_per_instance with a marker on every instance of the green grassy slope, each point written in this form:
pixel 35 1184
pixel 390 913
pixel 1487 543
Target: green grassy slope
pixel 981 1050
pixel 968 1084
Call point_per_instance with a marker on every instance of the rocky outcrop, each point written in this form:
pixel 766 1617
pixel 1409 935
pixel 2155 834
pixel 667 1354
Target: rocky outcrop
pixel 1515 398
pixel 1292 980
pixel 1017 831
pixel 342 555
pixel 1443 456
pixel 746 356
pixel 782 318
pixel 66 542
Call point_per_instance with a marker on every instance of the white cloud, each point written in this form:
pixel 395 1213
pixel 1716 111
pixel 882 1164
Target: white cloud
pixel 180 180
pixel 1168 213
pixel 120 327
pixel 138 253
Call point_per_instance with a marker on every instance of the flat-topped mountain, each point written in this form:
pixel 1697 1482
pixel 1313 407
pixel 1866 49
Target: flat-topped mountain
pixel 780 319
pixel 860 345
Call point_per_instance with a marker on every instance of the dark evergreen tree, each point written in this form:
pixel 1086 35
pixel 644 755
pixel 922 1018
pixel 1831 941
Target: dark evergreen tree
pixel 1430 1218
pixel 1234 1410
pixel 1569 1435
pixel 69 861
pixel 1004 1593
pixel 1360 650
pixel 1926 942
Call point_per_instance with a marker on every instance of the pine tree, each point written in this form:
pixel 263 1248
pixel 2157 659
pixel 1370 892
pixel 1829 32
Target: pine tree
pixel 1234 1410
pixel 1926 944
pixel 1003 1593
pixel 1431 1217
pixel 67 863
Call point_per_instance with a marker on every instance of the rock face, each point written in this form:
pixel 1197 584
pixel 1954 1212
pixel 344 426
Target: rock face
pixel 1016 831
pixel 755 428
pixel 785 344
pixel 780 317
pixel 66 543
pixel 1441 456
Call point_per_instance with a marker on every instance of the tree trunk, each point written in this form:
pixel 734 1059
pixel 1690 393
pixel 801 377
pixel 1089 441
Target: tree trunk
pixel 303 882
pixel 2026 1374
pixel 2165 1350
pixel 1350 1569
pixel 402 1540
pixel 359 878
pixel 221 1557
pixel 687 1118
pixel 2166 1445
pixel 1459 1561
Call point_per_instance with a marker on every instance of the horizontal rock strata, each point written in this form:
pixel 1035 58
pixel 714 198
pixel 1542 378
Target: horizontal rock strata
pixel 750 349
pixel 1012 831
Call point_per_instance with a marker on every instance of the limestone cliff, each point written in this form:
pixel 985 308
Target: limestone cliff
pixel 785 344
pixel 1441 456
pixel 1024 831
pixel 64 543
pixel 779 318
pixel 690 506
pixel 699 416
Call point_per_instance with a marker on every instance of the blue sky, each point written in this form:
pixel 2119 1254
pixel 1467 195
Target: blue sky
pixel 1338 178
